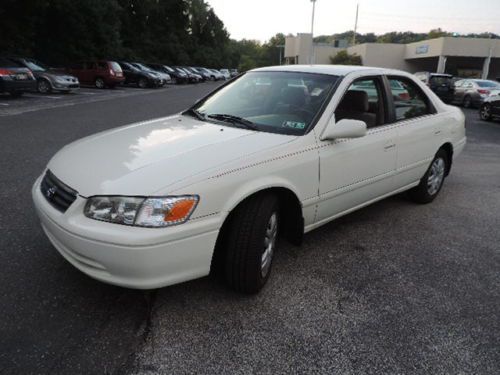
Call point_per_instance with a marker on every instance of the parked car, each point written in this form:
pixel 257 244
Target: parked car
pixel 211 189
pixel 193 77
pixel 218 75
pixel 135 76
pixel 164 77
pixel 176 76
pixel 15 79
pixel 47 79
pixel 205 75
pixel 490 108
pixel 234 72
pixel 226 74
pixel 472 92
pixel 441 84
pixel 100 73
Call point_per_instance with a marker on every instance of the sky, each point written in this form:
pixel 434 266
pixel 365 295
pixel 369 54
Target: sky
pixel 261 19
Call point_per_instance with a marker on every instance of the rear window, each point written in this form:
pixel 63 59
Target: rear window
pixel 487 84
pixel 440 80
pixel 6 63
pixel 115 66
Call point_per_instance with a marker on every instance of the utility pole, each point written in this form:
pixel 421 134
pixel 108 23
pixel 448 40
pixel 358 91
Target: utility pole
pixel 355 26
pixel 311 58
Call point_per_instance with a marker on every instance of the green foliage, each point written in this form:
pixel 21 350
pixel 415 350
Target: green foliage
pixel 395 37
pixel 344 58
pixel 60 31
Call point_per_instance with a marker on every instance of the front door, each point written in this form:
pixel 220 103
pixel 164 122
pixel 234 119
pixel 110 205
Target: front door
pixel 356 171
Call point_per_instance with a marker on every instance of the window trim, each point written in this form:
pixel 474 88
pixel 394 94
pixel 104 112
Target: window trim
pixel 383 97
pixel 428 102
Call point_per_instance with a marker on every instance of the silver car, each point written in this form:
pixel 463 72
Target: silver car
pixel 49 80
pixel 472 92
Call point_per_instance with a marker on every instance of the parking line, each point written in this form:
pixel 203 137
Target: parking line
pixel 6 104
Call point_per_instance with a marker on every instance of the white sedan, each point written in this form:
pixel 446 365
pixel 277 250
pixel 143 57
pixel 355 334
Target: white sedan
pixel 276 152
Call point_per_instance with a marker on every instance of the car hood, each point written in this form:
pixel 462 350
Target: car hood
pixel 54 74
pixel 145 158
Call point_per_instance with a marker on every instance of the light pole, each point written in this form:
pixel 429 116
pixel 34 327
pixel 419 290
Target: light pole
pixel 311 58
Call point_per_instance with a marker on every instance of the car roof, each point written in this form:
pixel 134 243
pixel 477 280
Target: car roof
pixel 335 70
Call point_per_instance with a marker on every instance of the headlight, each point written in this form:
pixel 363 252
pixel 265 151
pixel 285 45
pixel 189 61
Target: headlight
pixel 60 79
pixel 142 212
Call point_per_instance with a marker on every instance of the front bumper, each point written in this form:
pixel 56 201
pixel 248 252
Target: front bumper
pixel 140 258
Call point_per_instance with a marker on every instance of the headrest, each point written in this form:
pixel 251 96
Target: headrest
pixel 355 100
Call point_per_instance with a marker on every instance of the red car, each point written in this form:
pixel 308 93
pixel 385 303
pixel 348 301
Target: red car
pixel 101 74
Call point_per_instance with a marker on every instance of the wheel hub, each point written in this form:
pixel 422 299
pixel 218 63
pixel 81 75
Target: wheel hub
pixel 436 176
pixel 269 244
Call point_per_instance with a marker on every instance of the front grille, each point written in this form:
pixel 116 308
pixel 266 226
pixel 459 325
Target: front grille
pixel 58 194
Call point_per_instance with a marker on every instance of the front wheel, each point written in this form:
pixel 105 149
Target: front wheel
pixel 251 243
pixel 143 83
pixel 44 87
pixel 485 112
pixel 432 182
pixel 467 102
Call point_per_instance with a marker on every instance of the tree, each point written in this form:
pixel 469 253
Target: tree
pixel 344 58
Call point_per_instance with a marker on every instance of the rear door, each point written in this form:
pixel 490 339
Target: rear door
pixel 419 129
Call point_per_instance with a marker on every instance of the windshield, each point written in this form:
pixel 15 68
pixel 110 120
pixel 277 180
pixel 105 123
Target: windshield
pixel 34 66
pixel 440 80
pixel 115 66
pixel 279 102
pixel 487 84
pixel 169 69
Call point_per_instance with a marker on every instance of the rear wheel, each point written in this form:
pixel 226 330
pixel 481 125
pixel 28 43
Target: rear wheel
pixel 44 86
pixel 432 182
pixel 99 83
pixel 251 243
pixel 485 112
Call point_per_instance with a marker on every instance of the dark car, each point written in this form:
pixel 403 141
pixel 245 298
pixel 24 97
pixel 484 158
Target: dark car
pixel 176 76
pixel 101 74
pixel 15 78
pixel 205 76
pixel 162 76
pixel 47 79
pixel 192 77
pixel 490 108
pixel 442 84
pixel 141 78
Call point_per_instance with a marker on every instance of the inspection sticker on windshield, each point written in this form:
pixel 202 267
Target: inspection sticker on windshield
pixel 294 125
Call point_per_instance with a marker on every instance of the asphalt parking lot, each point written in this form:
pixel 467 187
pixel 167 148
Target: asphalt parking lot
pixel 393 288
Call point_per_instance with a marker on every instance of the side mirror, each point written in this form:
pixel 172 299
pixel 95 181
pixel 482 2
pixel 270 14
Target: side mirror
pixel 345 128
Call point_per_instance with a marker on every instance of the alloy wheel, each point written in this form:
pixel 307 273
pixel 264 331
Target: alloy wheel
pixel 485 112
pixel 436 176
pixel 43 87
pixel 269 244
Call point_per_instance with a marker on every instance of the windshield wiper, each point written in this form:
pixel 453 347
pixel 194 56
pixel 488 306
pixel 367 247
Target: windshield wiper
pixel 236 120
pixel 194 113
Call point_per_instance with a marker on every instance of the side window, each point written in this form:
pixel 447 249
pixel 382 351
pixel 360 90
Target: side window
pixel 363 101
pixel 459 83
pixel 409 100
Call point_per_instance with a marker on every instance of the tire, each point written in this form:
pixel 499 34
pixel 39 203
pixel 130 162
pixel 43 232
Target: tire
pixel 432 182
pixel 485 112
pixel 467 103
pixel 44 87
pixel 251 243
pixel 143 83
pixel 99 83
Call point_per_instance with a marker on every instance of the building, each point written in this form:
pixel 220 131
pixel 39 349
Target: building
pixel 463 57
